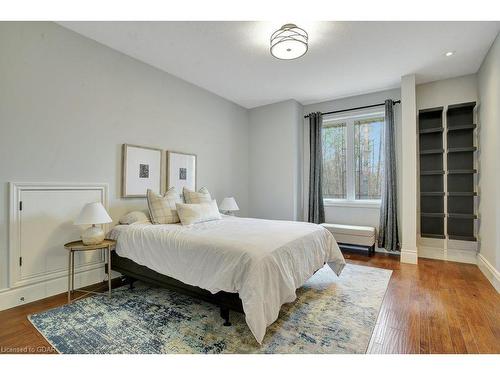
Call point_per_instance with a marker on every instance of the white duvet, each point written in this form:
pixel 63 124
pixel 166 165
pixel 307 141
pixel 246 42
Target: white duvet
pixel 264 261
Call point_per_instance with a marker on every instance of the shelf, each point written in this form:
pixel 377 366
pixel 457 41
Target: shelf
pixel 462 149
pixel 429 110
pixel 431 130
pixel 432 151
pixel 461 127
pixel 432 193
pixel 461 238
pixel 432 214
pixel 462 105
pixel 462 216
pixel 462 194
pixel 429 173
pixel 462 171
pixel 432 235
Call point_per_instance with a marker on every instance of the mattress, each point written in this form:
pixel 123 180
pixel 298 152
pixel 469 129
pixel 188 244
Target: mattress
pixel 264 261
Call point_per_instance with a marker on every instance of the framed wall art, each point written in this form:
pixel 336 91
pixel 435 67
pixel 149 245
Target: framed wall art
pixel 181 171
pixel 141 170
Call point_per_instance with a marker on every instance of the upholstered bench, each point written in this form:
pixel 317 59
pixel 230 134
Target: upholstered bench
pixel 353 237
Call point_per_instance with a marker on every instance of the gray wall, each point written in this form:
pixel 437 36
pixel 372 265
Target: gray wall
pixel 447 91
pixel 275 138
pixel 489 157
pixel 360 215
pixel 68 103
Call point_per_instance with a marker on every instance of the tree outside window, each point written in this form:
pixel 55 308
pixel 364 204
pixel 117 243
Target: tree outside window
pixel 353 157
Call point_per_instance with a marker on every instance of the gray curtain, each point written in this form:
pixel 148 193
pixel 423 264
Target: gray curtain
pixel 388 229
pixel 316 208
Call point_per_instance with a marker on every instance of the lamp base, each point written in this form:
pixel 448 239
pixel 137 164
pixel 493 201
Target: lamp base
pixel 92 235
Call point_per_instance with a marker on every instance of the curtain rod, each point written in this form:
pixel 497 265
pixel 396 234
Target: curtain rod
pixel 353 109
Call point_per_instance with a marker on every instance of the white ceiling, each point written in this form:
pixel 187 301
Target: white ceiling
pixel 232 59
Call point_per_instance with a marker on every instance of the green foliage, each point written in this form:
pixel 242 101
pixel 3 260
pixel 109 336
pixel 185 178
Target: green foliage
pixel 368 166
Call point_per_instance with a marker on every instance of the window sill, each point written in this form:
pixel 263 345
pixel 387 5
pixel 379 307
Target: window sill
pixel 351 203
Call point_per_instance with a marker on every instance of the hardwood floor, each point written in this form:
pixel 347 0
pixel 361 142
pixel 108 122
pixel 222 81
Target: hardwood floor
pixel 435 307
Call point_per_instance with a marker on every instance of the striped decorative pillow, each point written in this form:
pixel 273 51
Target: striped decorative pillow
pixel 192 213
pixel 200 196
pixel 162 207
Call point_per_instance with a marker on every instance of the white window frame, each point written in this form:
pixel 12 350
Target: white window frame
pixel 349 118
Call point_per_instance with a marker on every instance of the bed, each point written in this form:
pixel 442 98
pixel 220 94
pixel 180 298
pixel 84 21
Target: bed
pixel 243 264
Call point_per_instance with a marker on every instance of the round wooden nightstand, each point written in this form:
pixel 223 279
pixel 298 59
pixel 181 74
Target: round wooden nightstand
pixel 74 246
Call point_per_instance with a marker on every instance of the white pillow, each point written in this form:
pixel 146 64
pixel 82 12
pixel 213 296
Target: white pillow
pixel 162 207
pixel 200 196
pixel 134 217
pixel 192 213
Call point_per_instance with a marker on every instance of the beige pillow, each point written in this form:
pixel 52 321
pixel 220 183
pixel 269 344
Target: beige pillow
pixel 200 196
pixel 192 213
pixel 134 217
pixel 162 207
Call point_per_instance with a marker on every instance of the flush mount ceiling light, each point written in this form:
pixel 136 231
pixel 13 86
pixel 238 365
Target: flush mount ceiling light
pixel 449 53
pixel 289 42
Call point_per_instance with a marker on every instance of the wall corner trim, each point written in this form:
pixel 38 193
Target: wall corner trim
pixel 489 271
pixel 409 256
pixel 408 168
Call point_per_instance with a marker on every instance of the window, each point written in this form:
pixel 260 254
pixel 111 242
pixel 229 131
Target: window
pixel 367 157
pixel 352 157
pixel 334 160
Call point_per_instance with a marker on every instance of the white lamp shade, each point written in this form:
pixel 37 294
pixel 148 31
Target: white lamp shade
pixel 229 204
pixel 93 213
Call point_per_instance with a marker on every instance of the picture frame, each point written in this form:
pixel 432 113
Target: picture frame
pixel 182 169
pixel 142 169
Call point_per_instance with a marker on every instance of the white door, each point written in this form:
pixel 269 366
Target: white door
pixel 46 224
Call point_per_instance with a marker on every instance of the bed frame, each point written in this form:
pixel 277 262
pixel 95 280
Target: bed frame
pixel 133 272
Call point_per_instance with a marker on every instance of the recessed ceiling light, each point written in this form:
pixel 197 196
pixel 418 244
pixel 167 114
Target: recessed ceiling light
pixel 289 42
pixel 449 53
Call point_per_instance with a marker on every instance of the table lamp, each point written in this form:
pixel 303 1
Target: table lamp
pixel 93 213
pixel 228 206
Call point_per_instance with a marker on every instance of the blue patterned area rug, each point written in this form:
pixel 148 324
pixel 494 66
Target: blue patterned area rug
pixel 331 315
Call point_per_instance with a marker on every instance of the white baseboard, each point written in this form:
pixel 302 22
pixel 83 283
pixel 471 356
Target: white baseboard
pixel 453 255
pixel 489 271
pixel 409 256
pixel 25 294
